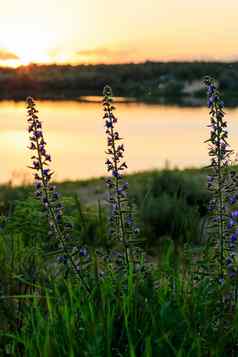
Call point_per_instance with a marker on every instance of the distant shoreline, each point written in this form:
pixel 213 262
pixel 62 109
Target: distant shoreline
pixel 182 101
pixel 150 82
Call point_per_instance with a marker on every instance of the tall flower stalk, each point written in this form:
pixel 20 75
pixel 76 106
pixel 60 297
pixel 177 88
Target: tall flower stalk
pixel 121 225
pixel 221 183
pixel 232 227
pixel 46 192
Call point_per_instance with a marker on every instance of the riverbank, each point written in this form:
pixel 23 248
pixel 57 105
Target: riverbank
pixel 155 82
pixel 167 203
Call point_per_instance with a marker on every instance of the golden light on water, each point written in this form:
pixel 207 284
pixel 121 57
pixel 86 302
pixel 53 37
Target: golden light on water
pixel 74 131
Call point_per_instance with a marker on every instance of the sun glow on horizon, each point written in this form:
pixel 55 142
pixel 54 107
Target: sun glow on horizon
pixel 29 46
pixel 75 31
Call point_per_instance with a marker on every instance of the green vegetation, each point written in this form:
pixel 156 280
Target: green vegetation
pixel 167 202
pixel 158 313
pixel 174 82
pixel 75 282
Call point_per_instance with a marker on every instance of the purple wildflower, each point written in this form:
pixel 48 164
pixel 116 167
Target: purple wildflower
pixel 233 237
pixel 120 211
pixel 231 223
pixel 45 191
pixel 234 214
pixel 232 200
pixel 222 197
pixel 42 173
pixel 83 252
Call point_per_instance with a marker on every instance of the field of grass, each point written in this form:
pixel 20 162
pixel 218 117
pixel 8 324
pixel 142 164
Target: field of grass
pixel 140 265
pixel 159 310
pixel 157 195
pixel 170 206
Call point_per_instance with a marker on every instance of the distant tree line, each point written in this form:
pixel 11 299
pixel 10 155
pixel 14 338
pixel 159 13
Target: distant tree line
pixel 145 81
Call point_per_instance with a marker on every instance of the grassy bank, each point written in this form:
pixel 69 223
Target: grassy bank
pixel 167 202
pixel 160 310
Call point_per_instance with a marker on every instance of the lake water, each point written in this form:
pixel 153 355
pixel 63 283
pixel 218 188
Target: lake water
pixel 153 135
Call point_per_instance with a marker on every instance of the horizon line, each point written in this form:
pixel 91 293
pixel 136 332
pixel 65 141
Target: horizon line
pixel 70 64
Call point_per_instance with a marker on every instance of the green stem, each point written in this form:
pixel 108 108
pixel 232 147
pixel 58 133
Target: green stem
pixel 220 198
pixel 57 229
pixel 121 218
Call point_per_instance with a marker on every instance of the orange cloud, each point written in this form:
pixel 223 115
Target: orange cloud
pixel 103 53
pixel 6 55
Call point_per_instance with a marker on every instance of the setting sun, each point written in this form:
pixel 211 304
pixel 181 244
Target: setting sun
pixel 29 46
pixel 57 31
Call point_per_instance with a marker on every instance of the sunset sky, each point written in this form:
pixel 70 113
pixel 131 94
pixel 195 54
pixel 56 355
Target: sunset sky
pixel 113 31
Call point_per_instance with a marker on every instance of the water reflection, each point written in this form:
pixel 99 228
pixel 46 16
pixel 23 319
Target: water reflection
pixel 153 135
